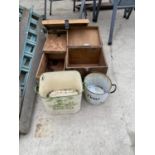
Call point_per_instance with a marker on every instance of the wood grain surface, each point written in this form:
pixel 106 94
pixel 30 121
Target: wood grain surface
pixel 59 22
pixel 55 43
pixel 85 36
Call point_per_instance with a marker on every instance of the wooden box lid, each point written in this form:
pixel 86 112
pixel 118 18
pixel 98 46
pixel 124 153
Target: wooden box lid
pixel 54 23
pixel 84 36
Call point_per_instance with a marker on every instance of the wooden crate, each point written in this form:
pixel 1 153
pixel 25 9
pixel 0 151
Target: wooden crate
pixel 49 63
pixel 56 42
pixel 86 60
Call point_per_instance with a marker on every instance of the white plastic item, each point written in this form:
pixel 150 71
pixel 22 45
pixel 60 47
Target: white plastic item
pixel 61 91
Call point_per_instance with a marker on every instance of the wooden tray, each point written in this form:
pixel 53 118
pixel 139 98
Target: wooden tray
pixel 48 63
pixel 86 60
pixel 84 37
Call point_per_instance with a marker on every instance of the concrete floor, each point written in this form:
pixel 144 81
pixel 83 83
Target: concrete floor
pixel 107 129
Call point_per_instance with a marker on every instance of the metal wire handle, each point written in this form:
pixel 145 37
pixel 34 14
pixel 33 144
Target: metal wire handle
pixel 115 87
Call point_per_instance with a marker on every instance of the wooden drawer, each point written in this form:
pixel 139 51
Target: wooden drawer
pixel 48 63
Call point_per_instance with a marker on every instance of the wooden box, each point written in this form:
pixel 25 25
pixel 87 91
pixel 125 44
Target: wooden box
pixel 86 60
pixel 54 50
pixel 85 52
pixel 78 48
pixel 49 63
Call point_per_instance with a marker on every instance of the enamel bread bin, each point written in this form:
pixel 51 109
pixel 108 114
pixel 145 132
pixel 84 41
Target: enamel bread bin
pixel 61 91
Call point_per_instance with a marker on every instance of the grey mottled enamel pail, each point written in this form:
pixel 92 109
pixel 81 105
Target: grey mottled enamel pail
pixel 97 87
